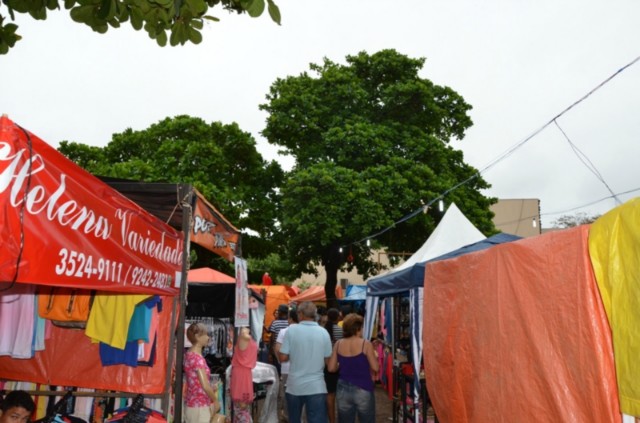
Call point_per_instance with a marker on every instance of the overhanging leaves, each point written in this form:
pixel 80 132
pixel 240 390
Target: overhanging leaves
pixel 182 19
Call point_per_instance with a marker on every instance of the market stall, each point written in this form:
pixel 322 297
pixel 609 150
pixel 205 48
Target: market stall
pixel 62 228
pixel 401 293
pixel 211 300
pixel 519 333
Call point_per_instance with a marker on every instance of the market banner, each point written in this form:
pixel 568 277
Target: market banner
pixel 62 226
pixel 242 294
pixel 212 231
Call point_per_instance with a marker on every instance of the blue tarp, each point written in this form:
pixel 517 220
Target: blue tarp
pixel 355 293
pixel 404 280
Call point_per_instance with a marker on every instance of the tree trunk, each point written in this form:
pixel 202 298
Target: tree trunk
pixel 330 286
pixel 331 266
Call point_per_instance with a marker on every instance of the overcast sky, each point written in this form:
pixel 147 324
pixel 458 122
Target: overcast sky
pixel 518 63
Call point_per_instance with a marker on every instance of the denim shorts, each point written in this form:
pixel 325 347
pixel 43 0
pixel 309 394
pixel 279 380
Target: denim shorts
pixel 354 401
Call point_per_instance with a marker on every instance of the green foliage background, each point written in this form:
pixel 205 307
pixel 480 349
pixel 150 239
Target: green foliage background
pixel 172 21
pixel 371 142
pixel 220 160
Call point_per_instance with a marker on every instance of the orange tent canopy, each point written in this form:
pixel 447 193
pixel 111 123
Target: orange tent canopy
pixel 208 275
pixel 315 294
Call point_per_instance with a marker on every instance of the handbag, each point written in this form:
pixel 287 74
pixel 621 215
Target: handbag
pixel 218 418
pixel 65 306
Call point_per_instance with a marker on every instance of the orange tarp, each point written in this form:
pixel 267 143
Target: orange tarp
pixel 518 333
pixel 276 295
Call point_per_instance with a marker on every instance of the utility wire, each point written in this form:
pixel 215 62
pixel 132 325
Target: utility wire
pixel 504 155
pixel 571 209
pixel 592 203
pixel 582 157
pixel 515 147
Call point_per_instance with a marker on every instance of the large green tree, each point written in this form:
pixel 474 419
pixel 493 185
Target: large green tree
pixel 220 160
pixel 371 143
pixel 173 21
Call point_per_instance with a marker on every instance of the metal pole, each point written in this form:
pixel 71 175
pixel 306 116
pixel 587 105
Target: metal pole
pixel 187 212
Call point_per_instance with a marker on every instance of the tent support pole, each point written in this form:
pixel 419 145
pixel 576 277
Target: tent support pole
pixel 187 213
pixel 166 401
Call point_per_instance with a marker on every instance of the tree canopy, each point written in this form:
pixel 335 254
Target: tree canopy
pixel 220 160
pixel 173 21
pixel 371 143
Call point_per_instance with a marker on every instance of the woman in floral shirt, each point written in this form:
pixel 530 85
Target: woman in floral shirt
pixel 201 400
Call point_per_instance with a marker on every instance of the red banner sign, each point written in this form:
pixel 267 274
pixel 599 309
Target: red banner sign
pixel 60 225
pixel 212 231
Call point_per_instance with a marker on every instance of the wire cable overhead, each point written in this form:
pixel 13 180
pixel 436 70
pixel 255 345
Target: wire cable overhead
pixel 513 149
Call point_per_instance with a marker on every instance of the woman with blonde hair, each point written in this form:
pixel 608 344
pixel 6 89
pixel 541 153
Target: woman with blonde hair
pixel 201 399
pixel 356 359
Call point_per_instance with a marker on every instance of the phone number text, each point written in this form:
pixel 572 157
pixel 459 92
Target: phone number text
pixel 79 265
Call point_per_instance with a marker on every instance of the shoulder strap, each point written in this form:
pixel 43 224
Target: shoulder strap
pixel 363 341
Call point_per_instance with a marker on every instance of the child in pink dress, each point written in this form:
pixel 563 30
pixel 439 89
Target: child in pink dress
pixel 244 360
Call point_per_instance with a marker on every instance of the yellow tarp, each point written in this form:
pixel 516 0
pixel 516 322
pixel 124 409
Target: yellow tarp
pixel 614 246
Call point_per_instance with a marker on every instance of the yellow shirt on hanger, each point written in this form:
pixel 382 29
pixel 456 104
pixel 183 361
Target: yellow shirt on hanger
pixel 110 317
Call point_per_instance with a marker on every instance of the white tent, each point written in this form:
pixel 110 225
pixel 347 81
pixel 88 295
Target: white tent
pixel 454 231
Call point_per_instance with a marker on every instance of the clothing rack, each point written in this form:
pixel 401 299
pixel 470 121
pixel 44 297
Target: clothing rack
pixel 59 408
pixel 218 328
pixel 134 415
pixel 89 394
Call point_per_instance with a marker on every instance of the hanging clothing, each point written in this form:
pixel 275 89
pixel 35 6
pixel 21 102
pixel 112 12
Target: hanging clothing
pixel 139 331
pixel 110 317
pixel 221 332
pixel 241 365
pixel 266 374
pixel 17 304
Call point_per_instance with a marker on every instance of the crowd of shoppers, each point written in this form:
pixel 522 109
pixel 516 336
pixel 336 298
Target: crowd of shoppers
pixel 322 368
pixel 328 365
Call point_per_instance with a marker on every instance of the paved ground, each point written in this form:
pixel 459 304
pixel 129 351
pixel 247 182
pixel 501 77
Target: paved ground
pixel 384 411
pixel 383 406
